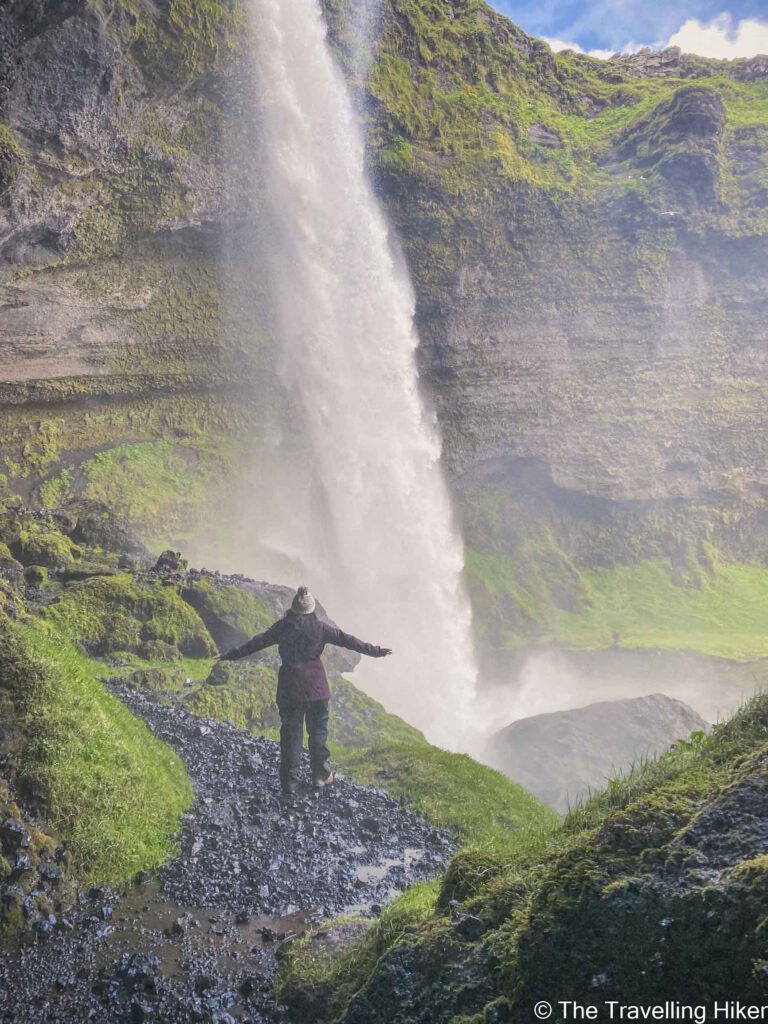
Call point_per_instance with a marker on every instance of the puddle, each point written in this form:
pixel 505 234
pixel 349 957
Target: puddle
pixel 144 923
pixel 378 872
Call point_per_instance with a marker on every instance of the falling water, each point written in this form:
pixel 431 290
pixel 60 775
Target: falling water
pixel 353 500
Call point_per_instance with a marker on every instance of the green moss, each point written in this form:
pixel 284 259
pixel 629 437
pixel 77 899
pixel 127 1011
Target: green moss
pixel 157 486
pixel 190 38
pixel 40 544
pixel 121 613
pixel 105 784
pixel 527 587
pixel 227 608
pixel 12 160
pixel 53 492
pixel 318 981
pixel 358 720
pixel 244 695
pixel 726 615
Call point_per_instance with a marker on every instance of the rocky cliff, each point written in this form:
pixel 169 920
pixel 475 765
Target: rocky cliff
pixel 588 246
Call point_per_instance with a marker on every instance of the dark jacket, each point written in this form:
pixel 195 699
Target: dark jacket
pixel 300 640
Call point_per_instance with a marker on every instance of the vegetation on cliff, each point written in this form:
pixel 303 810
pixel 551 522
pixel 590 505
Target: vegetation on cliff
pixel 120 613
pixel 722 611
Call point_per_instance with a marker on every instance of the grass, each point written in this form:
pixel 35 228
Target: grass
pixel 726 615
pixel 536 594
pixel 158 486
pixel 486 810
pixel 110 789
pixel 495 820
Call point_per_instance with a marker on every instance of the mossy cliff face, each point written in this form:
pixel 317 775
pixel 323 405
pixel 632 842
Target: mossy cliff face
pixel 127 377
pixel 588 245
pixel 587 242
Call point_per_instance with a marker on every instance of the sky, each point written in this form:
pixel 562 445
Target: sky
pixel 712 28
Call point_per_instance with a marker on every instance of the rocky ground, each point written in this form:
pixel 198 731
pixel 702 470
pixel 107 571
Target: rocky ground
pixel 202 940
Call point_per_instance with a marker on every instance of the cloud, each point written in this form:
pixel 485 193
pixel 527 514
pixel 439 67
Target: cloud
pixel 722 37
pixel 561 44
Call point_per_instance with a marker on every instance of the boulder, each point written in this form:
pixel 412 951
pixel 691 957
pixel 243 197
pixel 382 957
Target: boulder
pixel 563 756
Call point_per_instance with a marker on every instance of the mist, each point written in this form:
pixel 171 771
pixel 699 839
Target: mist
pixel 541 681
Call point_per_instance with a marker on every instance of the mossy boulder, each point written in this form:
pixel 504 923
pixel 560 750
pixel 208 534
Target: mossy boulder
pixel 97 526
pixel 243 694
pixel 231 613
pixel 38 544
pixel 124 613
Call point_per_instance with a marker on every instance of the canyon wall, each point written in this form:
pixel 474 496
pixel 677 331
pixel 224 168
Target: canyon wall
pixel 588 245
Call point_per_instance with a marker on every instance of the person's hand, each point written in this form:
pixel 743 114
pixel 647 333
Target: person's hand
pixel 217 657
pixel 385 651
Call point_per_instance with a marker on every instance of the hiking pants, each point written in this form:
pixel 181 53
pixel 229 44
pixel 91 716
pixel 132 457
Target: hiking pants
pixel 292 740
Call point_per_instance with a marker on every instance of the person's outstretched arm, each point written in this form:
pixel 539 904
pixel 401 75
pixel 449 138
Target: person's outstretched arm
pixel 256 643
pixel 336 636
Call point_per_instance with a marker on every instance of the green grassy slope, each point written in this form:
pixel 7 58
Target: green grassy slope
pixel 462 96
pixel 485 809
pixel 721 611
pixel 92 770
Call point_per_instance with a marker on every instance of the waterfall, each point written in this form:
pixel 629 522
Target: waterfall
pixel 351 495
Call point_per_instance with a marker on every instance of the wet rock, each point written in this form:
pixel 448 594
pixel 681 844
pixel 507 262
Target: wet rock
pixel 21 863
pixel 170 562
pixel 182 924
pixel 138 972
pixel 138 1012
pixel 469 928
pixel 44 929
pixel 13 836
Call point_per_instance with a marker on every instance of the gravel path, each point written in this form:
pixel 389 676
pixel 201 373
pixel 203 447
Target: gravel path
pixel 201 941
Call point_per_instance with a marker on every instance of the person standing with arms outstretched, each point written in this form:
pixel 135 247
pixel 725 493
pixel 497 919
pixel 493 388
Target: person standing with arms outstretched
pixel 302 685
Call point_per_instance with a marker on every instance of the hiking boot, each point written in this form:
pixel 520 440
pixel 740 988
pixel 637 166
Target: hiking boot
pixel 321 781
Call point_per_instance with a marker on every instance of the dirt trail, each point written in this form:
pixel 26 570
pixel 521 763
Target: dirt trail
pixel 201 940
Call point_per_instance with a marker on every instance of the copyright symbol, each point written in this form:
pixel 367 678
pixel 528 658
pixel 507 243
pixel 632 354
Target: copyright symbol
pixel 543 1010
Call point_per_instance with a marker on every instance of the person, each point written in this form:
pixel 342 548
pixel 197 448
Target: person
pixel 302 685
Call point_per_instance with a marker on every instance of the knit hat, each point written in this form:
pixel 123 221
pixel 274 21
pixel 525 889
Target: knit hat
pixel 303 603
